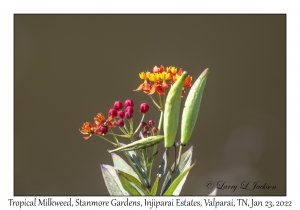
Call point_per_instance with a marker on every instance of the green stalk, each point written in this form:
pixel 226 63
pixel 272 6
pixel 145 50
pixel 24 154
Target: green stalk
pixel 126 127
pixel 160 122
pixel 159 99
pixel 131 126
pixel 123 131
pixel 179 156
pixel 169 165
pixel 106 140
pixel 139 125
pixel 145 157
pixel 159 129
pixel 124 136
pixel 154 102
pixel 114 136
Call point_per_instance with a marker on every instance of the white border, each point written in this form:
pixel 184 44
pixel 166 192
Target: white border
pixel 8 8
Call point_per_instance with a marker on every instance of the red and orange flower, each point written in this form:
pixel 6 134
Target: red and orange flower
pixel 100 126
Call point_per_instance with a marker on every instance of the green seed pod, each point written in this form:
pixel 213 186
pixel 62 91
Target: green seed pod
pixel 191 107
pixel 140 144
pixel 171 112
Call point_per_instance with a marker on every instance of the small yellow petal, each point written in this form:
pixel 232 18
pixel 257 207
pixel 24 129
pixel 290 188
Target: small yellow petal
pixel 157 76
pixel 143 75
pixel 152 77
pixel 147 74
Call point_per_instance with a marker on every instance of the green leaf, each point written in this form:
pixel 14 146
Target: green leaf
pixel 185 162
pixel 154 188
pixel 134 181
pixel 112 181
pixel 177 181
pixel 128 186
pixel 150 165
pixel 140 170
pixel 140 144
pixel 152 158
pixel 120 164
pixel 163 166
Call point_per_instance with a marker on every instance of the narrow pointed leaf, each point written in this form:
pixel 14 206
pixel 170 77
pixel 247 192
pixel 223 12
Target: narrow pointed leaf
pixel 128 186
pixel 140 170
pixel 135 181
pixel 120 164
pixel 150 165
pixel 112 181
pixel 152 158
pixel 177 181
pixel 140 144
pixel 154 188
pixel 163 166
pixel 185 162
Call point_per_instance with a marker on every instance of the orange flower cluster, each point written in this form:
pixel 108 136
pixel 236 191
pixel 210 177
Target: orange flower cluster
pixel 100 126
pixel 160 79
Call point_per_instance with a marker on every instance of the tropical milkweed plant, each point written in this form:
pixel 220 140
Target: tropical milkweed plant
pixel 132 173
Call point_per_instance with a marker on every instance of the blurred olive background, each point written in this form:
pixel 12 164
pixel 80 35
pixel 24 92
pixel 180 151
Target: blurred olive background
pixel 70 67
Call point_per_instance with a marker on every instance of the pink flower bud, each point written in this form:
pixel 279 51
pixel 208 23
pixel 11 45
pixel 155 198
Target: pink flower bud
pixel 143 124
pixel 145 133
pixel 103 129
pixel 128 115
pixel 155 69
pixel 118 105
pixel 161 68
pixel 144 108
pixel 129 109
pixel 112 112
pixel 129 102
pixel 121 114
pixel 154 129
pixel 120 123
pixel 146 128
pixel 151 123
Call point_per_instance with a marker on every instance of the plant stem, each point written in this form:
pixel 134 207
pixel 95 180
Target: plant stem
pixel 114 136
pixel 124 136
pixel 122 129
pixel 145 157
pixel 139 125
pixel 159 129
pixel 154 102
pixel 106 140
pixel 126 128
pixel 160 121
pixel 159 99
pixel 169 165
pixel 131 126
pixel 179 156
